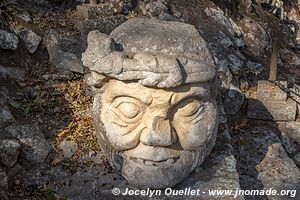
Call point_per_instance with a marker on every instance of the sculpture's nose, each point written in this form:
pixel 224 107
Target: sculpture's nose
pixel 159 134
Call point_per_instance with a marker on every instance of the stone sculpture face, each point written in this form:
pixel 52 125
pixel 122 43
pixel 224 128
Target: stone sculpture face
pixel 162 133
pixel 156 117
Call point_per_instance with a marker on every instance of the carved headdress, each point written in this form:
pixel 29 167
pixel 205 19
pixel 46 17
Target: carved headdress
pixel 155 53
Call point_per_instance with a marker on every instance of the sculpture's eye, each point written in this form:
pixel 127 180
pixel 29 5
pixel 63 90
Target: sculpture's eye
pixel 128 109
pixel 190 108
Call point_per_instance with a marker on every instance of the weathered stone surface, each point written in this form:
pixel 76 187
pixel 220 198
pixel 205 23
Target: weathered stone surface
pixel 140 132
pixel 8 40
pixel 272 103
pixel 9 152
pixel 256 68
pixel 268 91
pixel 31 39
pixel 235 63
pixel 272 110
pixel 255 37
pixel 233 100
pixel 5 115
pixel 90 11
pixel 296 159
pixel 63 60
pixel 184 61
pixel 104 25
pixel 218 172
pixel 279 172
pixel 35 147
pixel 219 16
pixel 160 169
pixel 223 71
pixel 293 14
pixel 161 37
pixel 293 131
pixel 295 95
pixel 68 148
pixel 153 8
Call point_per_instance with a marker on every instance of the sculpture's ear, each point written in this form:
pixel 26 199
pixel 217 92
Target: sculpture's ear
pixel 99 46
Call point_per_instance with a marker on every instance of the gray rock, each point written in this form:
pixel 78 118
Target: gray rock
pixel 290 147
pixel 293 131
pixel 279 172
pixel 272 110
pixel 255 37
pixel 269 91
pixel 222 114
pixel 8 40
pixel 65 61
pixel 223 176
pixel 167 17
pixel 9 152
pixel 235 63
pixel 224 72
pixel 3 184
pixel 68 148
pixel 153 8
pixel 219 171
pixel 224 40
pixel 31 39
pixel 60 57
pixel 35 147
pixel 233 100
pixel 256 68
pixel 272 103
pixel 293 15
pixel 219 16
pixel 296 159
pixel 12 72
pixel 296 95
pixel 5 116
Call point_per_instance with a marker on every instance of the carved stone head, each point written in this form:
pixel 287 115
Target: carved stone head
pixel 155 113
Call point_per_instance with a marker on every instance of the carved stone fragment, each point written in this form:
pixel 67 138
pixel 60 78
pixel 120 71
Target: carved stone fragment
pixel 156 115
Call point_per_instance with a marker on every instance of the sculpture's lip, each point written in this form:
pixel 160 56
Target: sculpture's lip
pixel 148 162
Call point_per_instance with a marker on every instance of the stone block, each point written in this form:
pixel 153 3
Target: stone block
pixel 272 110
pixel 269 91
pixel 90 11
pixel 279 172
pixel 104 25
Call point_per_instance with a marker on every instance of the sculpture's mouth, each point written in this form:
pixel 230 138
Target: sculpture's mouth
pixel 163 162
